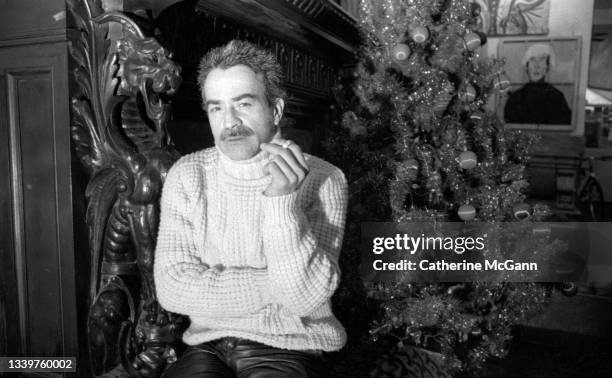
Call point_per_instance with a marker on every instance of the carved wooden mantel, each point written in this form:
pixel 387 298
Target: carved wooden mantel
pixel 315 25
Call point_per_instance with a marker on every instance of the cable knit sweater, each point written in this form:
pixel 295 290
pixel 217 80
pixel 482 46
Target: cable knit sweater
pixel 243 264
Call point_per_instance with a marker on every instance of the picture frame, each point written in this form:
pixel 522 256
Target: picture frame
pixel 544 81
pixel 509 17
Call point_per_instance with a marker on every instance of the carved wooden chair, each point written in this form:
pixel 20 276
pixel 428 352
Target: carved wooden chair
pixel 118 127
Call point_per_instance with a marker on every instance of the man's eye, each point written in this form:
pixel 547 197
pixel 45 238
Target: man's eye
pixel 244 104
pixel 214 109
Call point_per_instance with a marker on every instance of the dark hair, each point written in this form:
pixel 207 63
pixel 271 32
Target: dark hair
pixel 240 52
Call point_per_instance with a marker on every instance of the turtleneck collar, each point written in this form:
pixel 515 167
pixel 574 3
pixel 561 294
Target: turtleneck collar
pixel 250 169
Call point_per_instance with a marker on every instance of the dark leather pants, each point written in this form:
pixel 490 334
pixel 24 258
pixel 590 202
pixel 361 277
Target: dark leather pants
pixel 233 357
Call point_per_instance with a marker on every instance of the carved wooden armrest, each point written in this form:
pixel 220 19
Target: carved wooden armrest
pixel 127 153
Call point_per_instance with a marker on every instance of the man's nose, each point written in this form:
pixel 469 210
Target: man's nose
pixel 231 118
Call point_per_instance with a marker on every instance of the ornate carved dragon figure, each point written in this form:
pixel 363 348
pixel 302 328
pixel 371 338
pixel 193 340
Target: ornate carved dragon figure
pixel 119 115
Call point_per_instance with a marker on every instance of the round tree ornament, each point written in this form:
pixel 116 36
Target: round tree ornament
pixel 501 82
pixel 412 163
pixel 466 212
pixel 400 52
pixel 419 34
pixel 468 93
pixel 467 160
pixel 522 211
pixel 472 41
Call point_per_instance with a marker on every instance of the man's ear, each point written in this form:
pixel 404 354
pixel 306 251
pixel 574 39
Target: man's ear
pixel 279 105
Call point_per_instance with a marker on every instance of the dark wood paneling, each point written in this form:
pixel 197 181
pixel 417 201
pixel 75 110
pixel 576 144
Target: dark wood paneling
pixel 40 283
pixel 3 325
pixel 33 156
pixel 314 25
pixel 8 281
pixel 21 20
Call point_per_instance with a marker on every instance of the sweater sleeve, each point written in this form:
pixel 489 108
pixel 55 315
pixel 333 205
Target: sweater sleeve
pixel 184 283
pixel 302 245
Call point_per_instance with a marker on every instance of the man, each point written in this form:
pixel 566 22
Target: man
pixel 250 233
pixel 537 101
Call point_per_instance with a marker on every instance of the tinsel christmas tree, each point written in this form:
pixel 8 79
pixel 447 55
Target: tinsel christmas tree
pixel 417 143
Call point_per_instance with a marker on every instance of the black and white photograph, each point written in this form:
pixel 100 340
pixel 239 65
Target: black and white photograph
pixel 305 188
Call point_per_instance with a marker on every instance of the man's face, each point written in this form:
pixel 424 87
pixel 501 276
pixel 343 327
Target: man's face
pixel 537 67
pixel 239 114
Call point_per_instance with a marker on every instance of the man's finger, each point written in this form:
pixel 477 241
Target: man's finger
pixel 272 148
pixel 288 171
pixel 276 173
pixel 297 152
pixel 288 156
pixel 294 148
pixel 285 153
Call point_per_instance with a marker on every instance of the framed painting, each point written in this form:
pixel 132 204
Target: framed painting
pixel 543 75
pixel 512 17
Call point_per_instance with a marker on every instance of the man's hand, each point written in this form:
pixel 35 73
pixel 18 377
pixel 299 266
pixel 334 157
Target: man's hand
pixel 287 167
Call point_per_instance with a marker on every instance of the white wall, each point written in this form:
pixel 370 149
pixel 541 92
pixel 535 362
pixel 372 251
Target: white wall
pixel 568 18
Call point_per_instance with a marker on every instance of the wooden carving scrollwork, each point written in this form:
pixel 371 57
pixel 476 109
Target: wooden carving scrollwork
pixel 119 114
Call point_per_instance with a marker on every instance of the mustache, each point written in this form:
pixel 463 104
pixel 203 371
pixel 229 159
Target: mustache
pixel 235 131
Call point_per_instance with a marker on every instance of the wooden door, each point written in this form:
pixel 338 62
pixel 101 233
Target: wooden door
pixel 37 278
